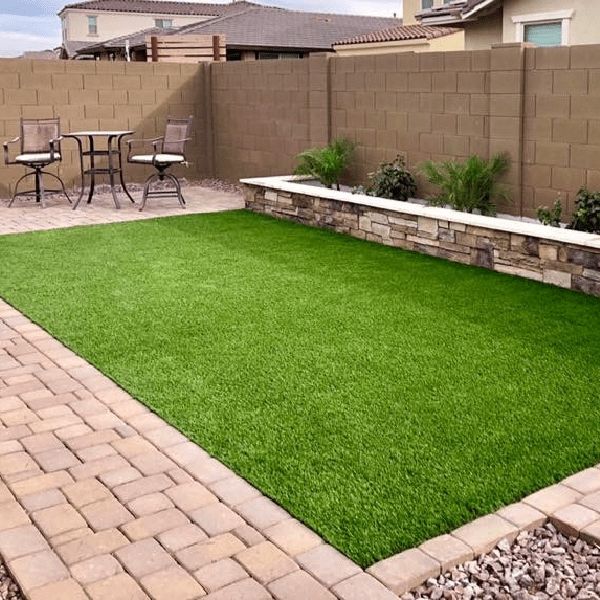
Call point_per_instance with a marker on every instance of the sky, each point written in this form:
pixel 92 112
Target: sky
pixel 33 24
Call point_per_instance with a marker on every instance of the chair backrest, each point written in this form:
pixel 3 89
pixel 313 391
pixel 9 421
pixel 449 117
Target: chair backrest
pixel 176 131
pixel 37 133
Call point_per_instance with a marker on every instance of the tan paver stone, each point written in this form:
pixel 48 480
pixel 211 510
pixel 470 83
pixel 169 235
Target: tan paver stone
pixel 118 477
pixel 67 589
pixel 110 396
pixel 58 519
pixel 141 487
pixel 152 525
pixel 14 433
pixel 12 516
pixel 448 550
pixel 103 542
pixel 86 491
pixel 208 471
pixel 170 584
pixel 50 412
pixel 20 416
pixel 179 476
pixel 163 437
pixel 96 467
pixel 265 562
pixel 21 541
pixel 181 537
pixel 591 533
pixel 362 587
pixel 484 533
pixel 299 586
pixel 145 422
pixel 550 499
pixel 213 549
pixel 262 513
pixel 151 463
pixel 186 453
pixel 216 518
pixel 69 536
pixel 128 408
pixel 40 442
pixel 234 490
pixel 35 570
pixel 327 565
pixel 56 459
pixel 132 446
pixel 95 568
pixel 591 501
pixel 118 587
pixel 10 446
pixel 104 421
pixel 522 516
pixel 149 504
pixel 54 424
pixel 41 483
pixel 218 574
pixel 406 570
pixel 573 518
pixel 247 589
pixel 92 439
pixel 584 482
pixel 248 535
pixel 190 496
pixel 95 452
pixel 88 407
pixel 106 514
pixel 144 557
pixel 293 537
pixel 42 500
pixel 16 462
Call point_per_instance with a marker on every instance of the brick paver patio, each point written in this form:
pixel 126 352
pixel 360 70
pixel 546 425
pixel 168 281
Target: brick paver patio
pixel 101 499
pixel 25 215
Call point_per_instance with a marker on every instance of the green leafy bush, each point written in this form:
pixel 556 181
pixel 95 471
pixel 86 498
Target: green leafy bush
pixel 550 216
pixel 326 164
pixel 587 212
pixel 470 185
pixel 392 180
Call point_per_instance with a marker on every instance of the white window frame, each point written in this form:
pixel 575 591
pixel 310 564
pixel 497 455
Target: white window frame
pixel 95 17
pixel 562 16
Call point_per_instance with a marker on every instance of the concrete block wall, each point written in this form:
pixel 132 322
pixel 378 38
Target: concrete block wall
pixel 101 95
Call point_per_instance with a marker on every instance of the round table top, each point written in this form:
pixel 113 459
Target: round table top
pixel 97 133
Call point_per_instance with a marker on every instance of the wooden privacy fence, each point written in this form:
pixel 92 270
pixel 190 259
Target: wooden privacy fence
pixel 186 48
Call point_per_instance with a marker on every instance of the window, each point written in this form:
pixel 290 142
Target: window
pixel 266 55
pixel 92 25
pixel 426 4
pixel 163 23
pixel 544 29
pixel 543 34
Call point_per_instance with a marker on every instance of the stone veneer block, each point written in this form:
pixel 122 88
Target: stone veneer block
pixel 484 533
pixel 550 499
pixel 402 572
pixel 522 516
pixel 573 518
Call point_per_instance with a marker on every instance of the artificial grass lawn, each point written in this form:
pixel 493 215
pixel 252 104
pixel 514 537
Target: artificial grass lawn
pixel 383 397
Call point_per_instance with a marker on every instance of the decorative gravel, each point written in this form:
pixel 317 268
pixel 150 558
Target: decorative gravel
pixel 9 590
pixel 540 565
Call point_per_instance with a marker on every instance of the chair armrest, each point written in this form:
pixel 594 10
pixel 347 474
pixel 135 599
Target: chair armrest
pixel 154 141
pixel 53 146
pixel 7 160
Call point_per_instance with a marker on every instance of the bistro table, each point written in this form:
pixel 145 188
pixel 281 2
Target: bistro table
pixel 112 151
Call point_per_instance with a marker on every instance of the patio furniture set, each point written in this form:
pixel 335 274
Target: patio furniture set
pixel 40 146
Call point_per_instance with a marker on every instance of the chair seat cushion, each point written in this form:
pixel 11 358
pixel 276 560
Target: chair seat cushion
pixel 159 158
pixel 36 157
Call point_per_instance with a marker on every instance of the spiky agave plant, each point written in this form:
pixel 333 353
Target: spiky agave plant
pixel 326 164
pixel 469 185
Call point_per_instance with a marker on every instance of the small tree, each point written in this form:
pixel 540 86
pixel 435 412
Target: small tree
pixel 393 181
pixel 326 164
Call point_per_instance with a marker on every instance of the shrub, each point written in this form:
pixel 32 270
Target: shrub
pixel 392 180
pixel 587 212
pixel 470 185
pixel 326 164
pixel 550 216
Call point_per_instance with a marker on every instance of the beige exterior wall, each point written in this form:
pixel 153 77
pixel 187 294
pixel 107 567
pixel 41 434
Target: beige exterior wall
pixel 482 34
pixel 446 43
pixel 110 25
pixel 412 7
pixel 583 25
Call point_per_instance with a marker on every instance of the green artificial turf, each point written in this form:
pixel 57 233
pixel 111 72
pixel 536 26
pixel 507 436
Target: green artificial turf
pixel 382 397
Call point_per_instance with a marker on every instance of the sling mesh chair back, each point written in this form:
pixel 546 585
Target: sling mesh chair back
pixel 40 146
pixel 168 150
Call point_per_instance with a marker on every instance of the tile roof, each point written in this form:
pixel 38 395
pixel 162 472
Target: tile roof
pixel 165 7
pixel 400 34
pixel 269 27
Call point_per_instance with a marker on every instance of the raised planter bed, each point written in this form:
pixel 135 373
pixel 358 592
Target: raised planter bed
pixel 562 257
